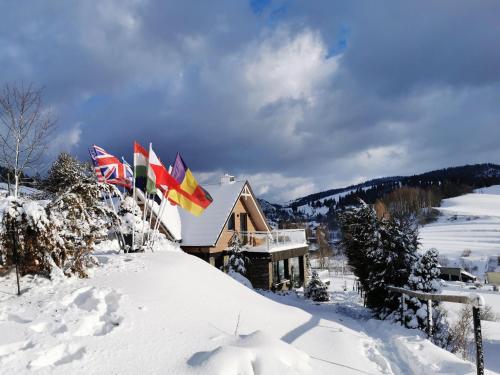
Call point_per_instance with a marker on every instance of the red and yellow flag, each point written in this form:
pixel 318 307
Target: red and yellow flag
pixel 189 194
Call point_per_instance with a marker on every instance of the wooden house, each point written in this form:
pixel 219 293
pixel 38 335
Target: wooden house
pixel 277 258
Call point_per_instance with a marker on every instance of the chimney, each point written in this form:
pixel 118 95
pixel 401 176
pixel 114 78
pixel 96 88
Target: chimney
pixel 227 179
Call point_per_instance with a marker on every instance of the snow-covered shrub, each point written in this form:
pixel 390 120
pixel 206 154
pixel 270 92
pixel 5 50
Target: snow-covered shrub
pixel 80 217
pixel 237 258
pixel 59 233
pixel 26 232
pixel 130 215
pixel 316 290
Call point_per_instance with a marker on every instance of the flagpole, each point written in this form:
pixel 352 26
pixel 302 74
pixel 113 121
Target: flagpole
pixel 144 215
pixel 151 194
pixel 151 219
pixel 134 199
pixel 116 214
pixel 164 202
pixel 162 210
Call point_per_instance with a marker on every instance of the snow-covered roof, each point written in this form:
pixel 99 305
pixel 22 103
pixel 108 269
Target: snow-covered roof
pixel 170 218
pixel 205 229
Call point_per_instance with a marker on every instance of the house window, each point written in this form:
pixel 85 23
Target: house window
pixel 295 274
pixel 243 222
pixel 244 228
pixel 278 271
pixel 230 223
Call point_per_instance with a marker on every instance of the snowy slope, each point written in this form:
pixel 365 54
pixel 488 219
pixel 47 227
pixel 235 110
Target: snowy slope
pixel 171 313
pixel 313 211
pixel 24 190
pixel 472 222
pixel 469 222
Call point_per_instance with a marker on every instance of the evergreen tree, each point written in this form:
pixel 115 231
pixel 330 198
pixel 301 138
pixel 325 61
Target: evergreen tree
pixel 360 236
pixel 316 290
pixel 381 253
pixel 391 264
pixel 425 278
pixel 237 258
pixel 425 273
pixel 67 171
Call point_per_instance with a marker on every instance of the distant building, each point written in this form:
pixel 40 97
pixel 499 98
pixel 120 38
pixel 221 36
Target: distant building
pixel 456 274
pixel 278 258
pixel 493 278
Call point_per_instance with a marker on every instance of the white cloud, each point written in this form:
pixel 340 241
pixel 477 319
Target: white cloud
pixel 279 188
pixel 285 66
pixel 65 140
pixel 275 187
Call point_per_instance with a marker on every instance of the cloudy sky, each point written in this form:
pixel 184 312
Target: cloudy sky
pixel 297 96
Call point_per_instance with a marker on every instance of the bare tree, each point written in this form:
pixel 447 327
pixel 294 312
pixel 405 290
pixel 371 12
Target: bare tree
pixel 25 129
pixel 324 249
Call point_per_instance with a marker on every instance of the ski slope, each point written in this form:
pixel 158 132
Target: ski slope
pixel 170 313
pixel 468 222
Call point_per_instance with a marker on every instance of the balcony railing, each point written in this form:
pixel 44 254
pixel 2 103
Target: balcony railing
pixel 275 239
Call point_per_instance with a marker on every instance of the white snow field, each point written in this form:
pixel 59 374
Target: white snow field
pixel 170 313
pixel 469 222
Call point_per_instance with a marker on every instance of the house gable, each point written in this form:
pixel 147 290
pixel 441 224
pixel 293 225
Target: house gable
pixel 202 233
pixel 244 205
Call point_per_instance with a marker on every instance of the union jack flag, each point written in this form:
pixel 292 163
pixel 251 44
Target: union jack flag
pixel 110 169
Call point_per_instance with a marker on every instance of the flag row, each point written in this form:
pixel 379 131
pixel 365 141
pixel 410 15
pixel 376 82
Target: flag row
pixel 151 176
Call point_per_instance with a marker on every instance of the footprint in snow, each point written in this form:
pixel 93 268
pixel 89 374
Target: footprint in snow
pixel 99 310
pixel 11 351
pixel 58 355
pixel 18 319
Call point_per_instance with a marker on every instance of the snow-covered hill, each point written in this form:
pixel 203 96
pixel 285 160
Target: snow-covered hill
pixel 468 231
pixel 170 313
pixel 315 207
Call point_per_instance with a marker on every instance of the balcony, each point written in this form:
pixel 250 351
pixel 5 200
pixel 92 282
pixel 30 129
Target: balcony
pixel 274 240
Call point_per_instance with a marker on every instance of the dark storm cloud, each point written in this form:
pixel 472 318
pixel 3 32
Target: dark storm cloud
pixel 298 96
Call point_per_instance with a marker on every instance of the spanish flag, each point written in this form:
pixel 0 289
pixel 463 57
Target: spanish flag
pixel 189 195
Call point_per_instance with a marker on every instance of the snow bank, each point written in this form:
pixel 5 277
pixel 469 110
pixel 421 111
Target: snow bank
pixel 166 312
pixel 253 354
pixel 240 278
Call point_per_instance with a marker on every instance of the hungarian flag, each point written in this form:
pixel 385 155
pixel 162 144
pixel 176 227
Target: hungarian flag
pixel 189 195
pixel 140 166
